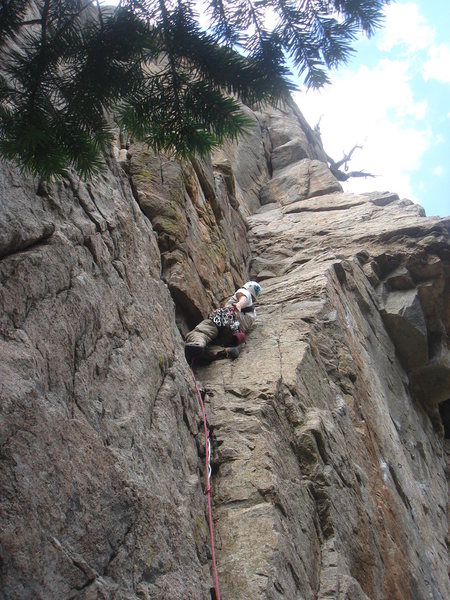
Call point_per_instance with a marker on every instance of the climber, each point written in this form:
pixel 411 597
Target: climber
pixel 227 325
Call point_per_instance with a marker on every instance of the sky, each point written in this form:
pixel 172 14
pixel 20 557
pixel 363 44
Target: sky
pixel 393 98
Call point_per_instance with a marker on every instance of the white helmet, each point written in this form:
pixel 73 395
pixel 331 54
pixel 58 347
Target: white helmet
pixel 253 287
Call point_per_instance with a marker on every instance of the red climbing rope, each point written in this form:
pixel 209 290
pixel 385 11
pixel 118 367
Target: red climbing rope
pixel 208 487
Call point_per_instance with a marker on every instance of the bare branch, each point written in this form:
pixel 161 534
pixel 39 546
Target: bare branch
pixel 345 159
pixel 341 176
pixel 346 174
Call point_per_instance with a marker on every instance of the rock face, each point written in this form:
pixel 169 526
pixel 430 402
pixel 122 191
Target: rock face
pixel 329 472
pixel 329 451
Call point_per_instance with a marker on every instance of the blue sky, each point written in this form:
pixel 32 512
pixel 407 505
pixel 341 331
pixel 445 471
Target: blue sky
pixel 394 99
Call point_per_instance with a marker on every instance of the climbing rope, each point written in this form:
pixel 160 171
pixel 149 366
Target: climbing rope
pixel 208 486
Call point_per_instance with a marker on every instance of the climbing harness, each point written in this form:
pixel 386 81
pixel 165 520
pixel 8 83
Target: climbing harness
pixel 208 486
pixel 225 317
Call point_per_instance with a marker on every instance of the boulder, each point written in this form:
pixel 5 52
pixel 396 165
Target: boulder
pixel 405 323
pixel 304 179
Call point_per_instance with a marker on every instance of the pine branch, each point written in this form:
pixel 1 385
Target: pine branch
pixel 171 55
pixel 222 27
pixel 149 63
pixel 12 13
pixel 224 68
pixel 297 29
pixel 366 14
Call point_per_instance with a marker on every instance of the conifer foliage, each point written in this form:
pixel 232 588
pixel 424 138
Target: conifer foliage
pixel 70 71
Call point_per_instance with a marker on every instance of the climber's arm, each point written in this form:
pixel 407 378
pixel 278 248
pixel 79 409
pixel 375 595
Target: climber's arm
pixel 241 303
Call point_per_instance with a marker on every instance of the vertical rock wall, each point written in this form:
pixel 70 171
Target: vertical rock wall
pixel 328 459
pixel 330 475
pixel 100 486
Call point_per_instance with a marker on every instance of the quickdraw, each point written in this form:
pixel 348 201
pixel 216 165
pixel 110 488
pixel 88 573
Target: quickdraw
pixel 225 317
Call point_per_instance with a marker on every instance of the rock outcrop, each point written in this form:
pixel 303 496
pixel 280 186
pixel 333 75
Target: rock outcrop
pixel 327 463
pixel 329 450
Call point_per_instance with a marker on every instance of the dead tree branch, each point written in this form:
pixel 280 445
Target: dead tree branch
pixel 344 175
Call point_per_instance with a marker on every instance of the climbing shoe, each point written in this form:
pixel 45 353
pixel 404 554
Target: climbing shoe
pixel 192 351
pixel 233 352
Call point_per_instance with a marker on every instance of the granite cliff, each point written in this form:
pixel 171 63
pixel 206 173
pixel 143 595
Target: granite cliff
pixel 329 442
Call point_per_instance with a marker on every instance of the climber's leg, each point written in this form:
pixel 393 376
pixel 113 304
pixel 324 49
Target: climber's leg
pixel 203 334
pixel 199 338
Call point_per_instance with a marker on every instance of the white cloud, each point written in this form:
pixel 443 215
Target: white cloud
pixel 439 170
pixel 374 107
pixel 391 153
pixel 371 93
pixel 408 31
pixel 438 64
pixel 405 26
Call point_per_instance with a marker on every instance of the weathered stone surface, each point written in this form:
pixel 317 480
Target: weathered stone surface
pixel 100 484
pixel 248 162
pixel 288 153
pixel 195 224
pixel 304 179
pixel 286 125
pixel 405 323
pixel 328 457
pixel 316 413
